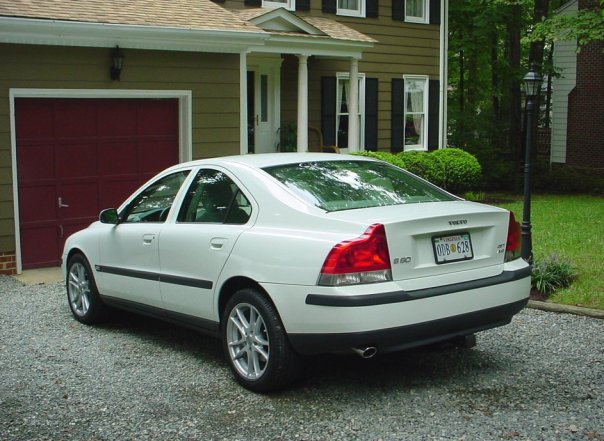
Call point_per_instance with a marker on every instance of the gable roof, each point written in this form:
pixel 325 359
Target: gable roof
pixel 183 14
pixel 182 25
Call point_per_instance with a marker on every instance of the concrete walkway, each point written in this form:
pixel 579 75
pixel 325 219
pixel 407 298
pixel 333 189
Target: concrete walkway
pixel 40 276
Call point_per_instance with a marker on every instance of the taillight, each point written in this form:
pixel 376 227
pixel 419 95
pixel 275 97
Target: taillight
pixel 361 260
pixel 512 247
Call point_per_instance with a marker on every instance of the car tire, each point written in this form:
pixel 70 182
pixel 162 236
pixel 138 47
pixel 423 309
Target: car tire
pixel 82 294
pixel 256 345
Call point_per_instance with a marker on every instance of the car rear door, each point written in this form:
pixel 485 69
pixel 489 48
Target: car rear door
pixel 196 244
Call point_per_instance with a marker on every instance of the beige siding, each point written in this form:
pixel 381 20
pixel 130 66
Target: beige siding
pixel 213 80
pixel 565 59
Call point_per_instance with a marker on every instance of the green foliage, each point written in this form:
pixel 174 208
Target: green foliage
pixel 552 273
pixel 461 170
pixel 425 165
pixel 453 169
pixel 383 156
pixel 584 26
pixel 560 179
pixel 475 196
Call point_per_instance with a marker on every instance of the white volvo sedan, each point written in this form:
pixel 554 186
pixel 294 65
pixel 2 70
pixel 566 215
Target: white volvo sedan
pixel 286 255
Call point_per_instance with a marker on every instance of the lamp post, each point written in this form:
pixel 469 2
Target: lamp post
pixel 532 87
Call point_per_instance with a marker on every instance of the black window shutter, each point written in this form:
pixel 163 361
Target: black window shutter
pixel 329 6
pixel 398 9
pixel 397 114
pixel 302 5
pixel 371 114
pixel 253 2
pixel 435 12
pixel 371 8
pixel 328 110
pixel 433 113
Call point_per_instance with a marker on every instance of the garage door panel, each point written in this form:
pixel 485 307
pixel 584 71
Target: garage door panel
pixel 91 153
pixel 126 154
pixel 116 118
pixel 155 153
pixel 76 160
pixel 82 199
pixel 37 203
pixel 40 124
pixel 75 118
pixel 35 162
pixel 43 245
pixel 114 192
pixel 154 120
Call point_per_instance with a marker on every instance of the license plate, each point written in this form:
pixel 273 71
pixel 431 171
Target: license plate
pixel 452 248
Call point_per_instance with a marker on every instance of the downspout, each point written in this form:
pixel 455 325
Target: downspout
pixel 243 129
pixel 444 84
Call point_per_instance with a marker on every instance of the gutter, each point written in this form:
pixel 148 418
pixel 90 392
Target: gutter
pixel 67 33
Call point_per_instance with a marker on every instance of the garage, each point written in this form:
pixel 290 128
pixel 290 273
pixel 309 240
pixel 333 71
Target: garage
pixel 75 157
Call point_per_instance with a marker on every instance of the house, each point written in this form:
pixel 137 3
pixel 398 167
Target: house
pixel 578 100
pixel 97 96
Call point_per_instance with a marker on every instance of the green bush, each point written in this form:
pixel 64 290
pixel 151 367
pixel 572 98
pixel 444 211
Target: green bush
pixel 453 169
pixel 425 165
pixel 382 156
pixel 551 273
pixel 564 179
pixel 462 172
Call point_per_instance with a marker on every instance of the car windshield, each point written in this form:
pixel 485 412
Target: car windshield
pixel 344 185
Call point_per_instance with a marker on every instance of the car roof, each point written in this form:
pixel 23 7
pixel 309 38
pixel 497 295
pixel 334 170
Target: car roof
pixel 273 159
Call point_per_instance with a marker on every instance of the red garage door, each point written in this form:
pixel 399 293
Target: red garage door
pixel 78 156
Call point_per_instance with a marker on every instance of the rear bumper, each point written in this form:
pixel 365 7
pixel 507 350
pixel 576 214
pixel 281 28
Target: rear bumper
pixel 337 320
pixel 405 337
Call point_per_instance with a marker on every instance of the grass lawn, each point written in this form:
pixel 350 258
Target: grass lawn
pixel 571 226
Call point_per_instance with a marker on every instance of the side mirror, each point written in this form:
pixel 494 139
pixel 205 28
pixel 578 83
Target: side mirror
pixel 109 216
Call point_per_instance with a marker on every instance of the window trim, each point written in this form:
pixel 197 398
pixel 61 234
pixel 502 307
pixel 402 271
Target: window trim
pixel 421 20
pixel 359 12
pixel 424 136
pixel 290 5
pixel 346 76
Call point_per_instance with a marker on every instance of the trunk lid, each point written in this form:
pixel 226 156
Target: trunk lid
pixel 438 238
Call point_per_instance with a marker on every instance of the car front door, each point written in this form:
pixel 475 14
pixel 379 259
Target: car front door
pixel 129 253
pixel 194 248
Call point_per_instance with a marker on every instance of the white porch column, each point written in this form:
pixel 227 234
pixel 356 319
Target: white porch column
pixel 353 107
pixel 302 103
pixel 243 146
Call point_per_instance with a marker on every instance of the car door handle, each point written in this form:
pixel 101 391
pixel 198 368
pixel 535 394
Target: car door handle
pixel 148 239
pixel 217 243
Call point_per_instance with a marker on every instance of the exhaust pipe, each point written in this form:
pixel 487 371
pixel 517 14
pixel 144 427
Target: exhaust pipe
pixel 366 352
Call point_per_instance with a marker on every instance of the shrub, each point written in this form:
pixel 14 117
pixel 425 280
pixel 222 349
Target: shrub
pixel 383 156
pixel 561 178
pixel 425 165
pixel 551 273
pixel 462 172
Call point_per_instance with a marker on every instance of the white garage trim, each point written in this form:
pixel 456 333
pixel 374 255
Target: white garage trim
pixel 185 118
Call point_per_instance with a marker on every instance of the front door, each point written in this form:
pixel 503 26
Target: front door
pixel 263 105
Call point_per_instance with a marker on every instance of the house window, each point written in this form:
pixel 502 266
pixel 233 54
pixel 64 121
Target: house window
pixel 352 8
pixel 287 4
pixel 342 114
pixel 415 112
pixel 416 11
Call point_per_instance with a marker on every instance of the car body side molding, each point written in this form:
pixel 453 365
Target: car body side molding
pixel 165 278
pixel 406 296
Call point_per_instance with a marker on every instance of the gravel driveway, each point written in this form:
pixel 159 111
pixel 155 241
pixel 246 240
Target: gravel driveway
pixel 540 378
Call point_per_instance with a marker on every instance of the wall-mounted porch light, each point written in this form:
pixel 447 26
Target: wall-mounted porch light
pixel 117 57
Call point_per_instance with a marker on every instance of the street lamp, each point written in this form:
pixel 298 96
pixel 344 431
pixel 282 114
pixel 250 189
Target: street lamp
pixel 532 88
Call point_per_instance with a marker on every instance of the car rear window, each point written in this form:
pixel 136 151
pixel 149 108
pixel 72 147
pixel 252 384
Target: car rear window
pixel 345 185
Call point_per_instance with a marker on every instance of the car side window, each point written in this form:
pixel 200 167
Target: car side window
pixel 213 197
pixel 153 204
